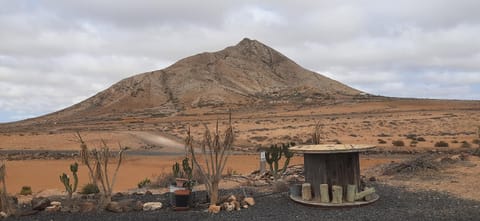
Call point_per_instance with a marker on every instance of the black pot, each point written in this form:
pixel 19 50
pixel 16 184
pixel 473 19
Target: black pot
pixel 182 199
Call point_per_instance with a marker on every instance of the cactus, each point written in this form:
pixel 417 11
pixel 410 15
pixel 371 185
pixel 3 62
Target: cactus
pixel 273 155
pixel 288 154
pixel 188 172
pixel 176 170
pixel 187 169
pixel 66 180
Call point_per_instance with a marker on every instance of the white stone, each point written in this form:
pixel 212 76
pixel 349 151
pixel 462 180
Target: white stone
pixel 52 209
pixel 55 203
pixel 152 206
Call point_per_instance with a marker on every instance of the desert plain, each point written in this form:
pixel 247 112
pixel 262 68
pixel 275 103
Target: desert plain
pixel 156 143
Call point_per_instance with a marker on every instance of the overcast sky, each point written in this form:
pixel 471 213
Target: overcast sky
pixel 56 53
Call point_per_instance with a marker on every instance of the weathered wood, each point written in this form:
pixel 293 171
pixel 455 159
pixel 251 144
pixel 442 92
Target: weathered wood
pixel 306 192
pixel 364 193
pixel 339 169
pixel 337 194
pixel 324 195
pixel 351 192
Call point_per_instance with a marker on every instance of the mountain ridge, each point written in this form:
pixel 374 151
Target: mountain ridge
pixel 248 73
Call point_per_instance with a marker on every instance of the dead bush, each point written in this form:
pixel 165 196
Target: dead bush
pixel 441 144
pixel 420 164
pixel 398 143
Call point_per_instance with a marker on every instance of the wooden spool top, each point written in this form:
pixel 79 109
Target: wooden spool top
pixel 331 148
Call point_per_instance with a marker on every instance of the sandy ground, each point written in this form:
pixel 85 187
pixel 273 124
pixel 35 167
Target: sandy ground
pixel 44 174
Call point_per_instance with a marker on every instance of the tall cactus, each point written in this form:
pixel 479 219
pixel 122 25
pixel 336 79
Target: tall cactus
pixel 273 155
pixel 288 154
pixel 66 180
pixel 187 169
pixel 176 170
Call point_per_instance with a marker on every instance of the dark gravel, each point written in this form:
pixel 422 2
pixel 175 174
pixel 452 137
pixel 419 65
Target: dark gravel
pixel 394 204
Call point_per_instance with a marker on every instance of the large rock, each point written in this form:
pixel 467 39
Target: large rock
pixel 152 206
pixel 40 203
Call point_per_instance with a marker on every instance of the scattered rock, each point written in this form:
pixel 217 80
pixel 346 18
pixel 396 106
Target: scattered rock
pixel 55 203
pixel 152 206
pixel 372 179
pixel 231 198
pixel 40 203
pixel 236 205
pixel 228 206
pixel 259 183
pixel 214 209
pixel 3 215
pixel 114 207
pixel 128 205
pixel 85 207
pixel 249 200
pixel 52 209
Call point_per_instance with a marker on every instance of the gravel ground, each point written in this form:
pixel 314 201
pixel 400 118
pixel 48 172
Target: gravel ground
pixel 394 204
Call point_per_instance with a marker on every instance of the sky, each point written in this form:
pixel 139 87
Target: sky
pixel 55 53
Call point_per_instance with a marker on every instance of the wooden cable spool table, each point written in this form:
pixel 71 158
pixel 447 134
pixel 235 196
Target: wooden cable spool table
pixel 335 165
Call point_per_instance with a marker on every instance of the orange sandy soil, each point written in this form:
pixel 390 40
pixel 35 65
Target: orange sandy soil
pixel 44 174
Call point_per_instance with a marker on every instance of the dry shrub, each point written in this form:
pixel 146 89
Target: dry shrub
pixel 441 144
pixel 163 180
pixel 398 143
pixel 424 163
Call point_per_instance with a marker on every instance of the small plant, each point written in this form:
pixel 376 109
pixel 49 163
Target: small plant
pixel 381 141
pixel 145 182
pixel 90 188
pixel 26 190
pixel 163 180
pixel 413 143
pixel 441 144
pixel 465 144
pixel 176 170
pixel 66 180
pixel 398 143
pixel 316 135
pixel 421 139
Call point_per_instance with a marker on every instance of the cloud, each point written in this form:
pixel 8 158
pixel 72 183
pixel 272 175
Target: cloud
pixel 55 53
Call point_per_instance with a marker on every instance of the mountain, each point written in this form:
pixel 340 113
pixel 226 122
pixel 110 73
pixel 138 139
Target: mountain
pixel 249 73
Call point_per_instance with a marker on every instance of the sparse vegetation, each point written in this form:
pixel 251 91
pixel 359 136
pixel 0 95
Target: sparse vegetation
pixel 465 144
pixel 381 141
pixel 441 144
pixel 90 188
pixel 5 204
pixel 273 156
pixel 316 135
pixel 144 183
pixel 66 180
pixel 215 152
pixel 421 139
pixel 398 143
pixel 26 190
pixel 164 180
pixel 99 172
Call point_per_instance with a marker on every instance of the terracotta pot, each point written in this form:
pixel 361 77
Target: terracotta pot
pixel 180 181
